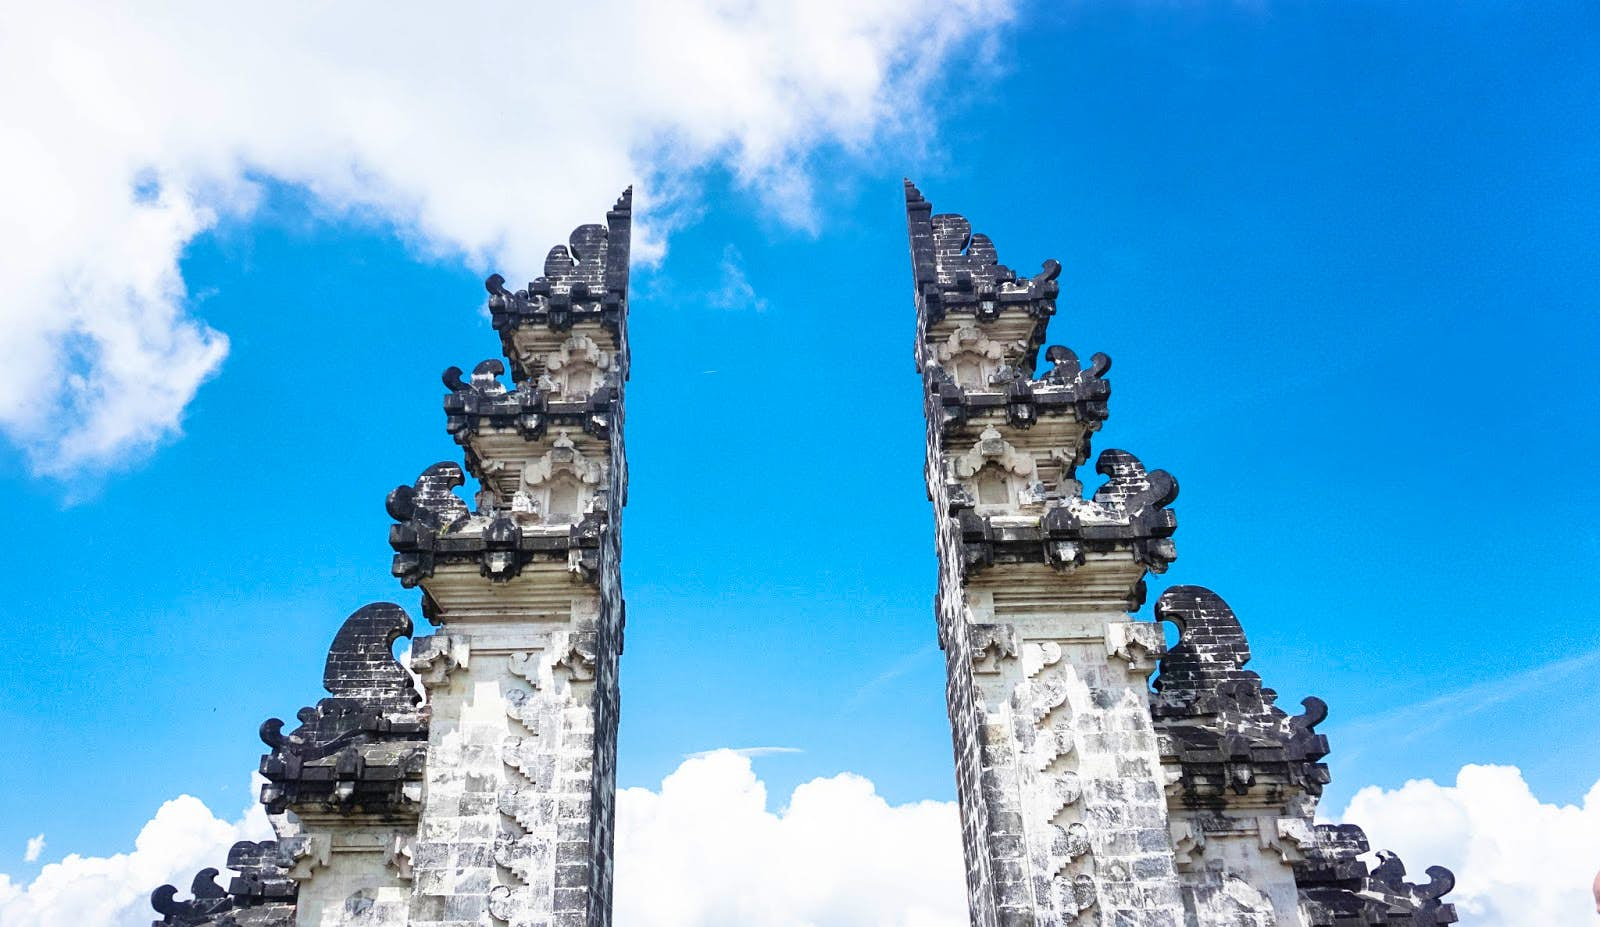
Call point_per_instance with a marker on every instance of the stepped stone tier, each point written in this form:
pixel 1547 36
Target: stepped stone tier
pixel 1087 798
pixel 490 802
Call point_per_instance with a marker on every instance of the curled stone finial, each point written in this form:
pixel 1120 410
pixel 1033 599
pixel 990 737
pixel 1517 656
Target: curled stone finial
pixel 1130 486
pixel 262 895
pixel 1223 724
pixel 361 662
pixel 359 746
pixel 958 269
pixel 1336 887
pixel 586 278
pixel 1316 712
pixel 1066 369
pixel 206 902
pixel 485 379
pixel 430 501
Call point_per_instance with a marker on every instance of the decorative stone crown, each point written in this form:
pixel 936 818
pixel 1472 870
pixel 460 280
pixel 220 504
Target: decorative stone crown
pixel 361 750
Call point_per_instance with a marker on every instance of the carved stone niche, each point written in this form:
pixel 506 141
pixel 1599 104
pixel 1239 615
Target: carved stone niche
pixel 971 358
pixel 997 475
pixel 559 487
pixel 572 371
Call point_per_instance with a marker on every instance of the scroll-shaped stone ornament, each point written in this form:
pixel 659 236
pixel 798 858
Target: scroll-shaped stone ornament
pixel 1071 842
pixel 529 808
pixel 529 667
pixel 1074 896
pixel 424 511
pixel 1067 370
pixel 578 266
pixel 526 855
pixel 530 758
pixel 364 744
pixel 1188 843
pixel 306 854
pixel 1066 789
pixel 399 854
pixel 430 502
pixel 1388 879
pixel 511 906
pixel 485 384
pixel 1131 490
pixel 992 447
pixel 990 645
pixel 1137 643
pixel 1090 391
pixel 435 657
pixel 578 660
pixel 531 711
pixel 207 901
pixel 1203 676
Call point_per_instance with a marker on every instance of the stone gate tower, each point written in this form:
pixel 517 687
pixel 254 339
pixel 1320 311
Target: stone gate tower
pixel 1086 797
pixel 493 802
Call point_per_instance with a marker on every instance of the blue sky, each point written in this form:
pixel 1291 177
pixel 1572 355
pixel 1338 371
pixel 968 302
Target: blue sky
pixel 1345 259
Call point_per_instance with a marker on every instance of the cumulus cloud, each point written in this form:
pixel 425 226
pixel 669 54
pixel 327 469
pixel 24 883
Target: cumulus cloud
pixel 480 130
pixel 703 851
pixel 114 891
pixel 34 848
pixel 706 851
pixel 1517 860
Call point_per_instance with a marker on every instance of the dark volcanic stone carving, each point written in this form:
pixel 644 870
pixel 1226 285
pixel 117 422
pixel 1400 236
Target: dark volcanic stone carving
pixel 362 749
pixel 262 895
pixel 1230 737
pixel 483 404
pixel 1130 510
pixel 959 271
pixel 434 526
pixel 1229 734
pixel 1066 387
pixel 1337 890
pixel 587 278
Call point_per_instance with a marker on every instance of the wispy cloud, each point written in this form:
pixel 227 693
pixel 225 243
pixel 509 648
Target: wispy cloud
pixel 746 752
pixel 35 847
pixel 896 669
pixel 735 291
pixel 1408 722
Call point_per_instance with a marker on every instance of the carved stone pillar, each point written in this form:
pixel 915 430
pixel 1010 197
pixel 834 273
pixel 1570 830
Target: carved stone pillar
pixel 1059 776
pixel 525 591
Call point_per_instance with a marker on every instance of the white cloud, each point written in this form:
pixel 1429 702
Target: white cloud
pixel 735 291
pixel 748 752
pixel 481 130
pixel 1517 860
pixel 114 891
pixel 35 847
pixel 705 851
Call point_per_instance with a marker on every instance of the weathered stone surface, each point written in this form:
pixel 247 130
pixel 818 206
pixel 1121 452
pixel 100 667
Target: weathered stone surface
pixel 525 587
pixel 494 802
pixel 1084 798
pixel 362 749
pixel 1338 890
pixel 261 895
pixel 1060 781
